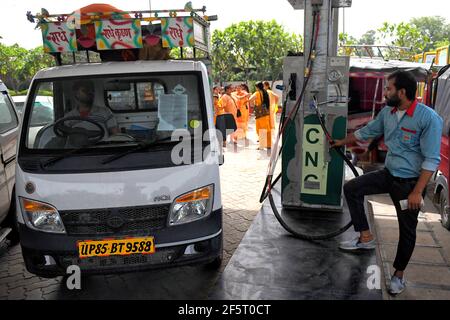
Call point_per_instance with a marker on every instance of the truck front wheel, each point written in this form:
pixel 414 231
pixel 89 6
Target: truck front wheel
pixel 215 264
pixel 11 221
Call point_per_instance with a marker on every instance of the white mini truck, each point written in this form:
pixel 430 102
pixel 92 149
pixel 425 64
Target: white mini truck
pixel 144 195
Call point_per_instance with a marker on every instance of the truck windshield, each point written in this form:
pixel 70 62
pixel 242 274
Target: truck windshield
pixel 86 111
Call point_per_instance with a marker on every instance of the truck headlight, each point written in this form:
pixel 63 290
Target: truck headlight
pixel 42 216
pixel 191 206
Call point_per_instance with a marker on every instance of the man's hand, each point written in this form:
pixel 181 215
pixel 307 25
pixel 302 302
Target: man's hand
pixel 342 143
pixel 415 201
pixel 338 143
pixel 415 198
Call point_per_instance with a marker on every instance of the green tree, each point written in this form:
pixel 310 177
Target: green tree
pixel 19 65
pixel 368 38
pixel 404 35
pixel 35 60
pixel 222 60
pixel 252 50
pixel 11 65
pixel 435 29
pixel 346 40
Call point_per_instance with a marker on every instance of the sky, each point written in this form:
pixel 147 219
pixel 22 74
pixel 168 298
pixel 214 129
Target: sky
pixel 361 17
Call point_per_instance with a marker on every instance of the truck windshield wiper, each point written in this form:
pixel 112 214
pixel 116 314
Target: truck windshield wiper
pixel 141 146
pixel 81 149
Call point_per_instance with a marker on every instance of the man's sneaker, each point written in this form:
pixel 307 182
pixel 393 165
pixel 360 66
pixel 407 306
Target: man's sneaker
pixel 398 285
pixel 357 245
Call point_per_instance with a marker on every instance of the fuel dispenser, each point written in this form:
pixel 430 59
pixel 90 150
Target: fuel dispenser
pixel 316 99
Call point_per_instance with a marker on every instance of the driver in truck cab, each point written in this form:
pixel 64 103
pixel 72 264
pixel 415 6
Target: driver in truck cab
pixel 84 93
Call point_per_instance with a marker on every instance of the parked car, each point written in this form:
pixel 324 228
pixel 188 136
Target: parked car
pixel 19 103
pixel 46 101
pixel 9 129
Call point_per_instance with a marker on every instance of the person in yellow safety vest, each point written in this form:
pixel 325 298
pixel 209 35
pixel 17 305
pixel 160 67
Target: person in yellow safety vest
pixel 261 101
pixel 274 98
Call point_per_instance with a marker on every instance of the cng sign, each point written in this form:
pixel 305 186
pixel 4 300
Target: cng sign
pixel 314 167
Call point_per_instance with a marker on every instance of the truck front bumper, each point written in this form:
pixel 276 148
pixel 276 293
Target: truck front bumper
pixel 49 255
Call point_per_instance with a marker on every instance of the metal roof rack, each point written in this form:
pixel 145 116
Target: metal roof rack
pixel 116 35
pixel 379 51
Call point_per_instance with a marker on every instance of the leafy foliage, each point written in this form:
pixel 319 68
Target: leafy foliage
pixel 435 29
pixel 404 35
pixel 19 65
pixel 252 50
pixel 418 35
pixel 369 38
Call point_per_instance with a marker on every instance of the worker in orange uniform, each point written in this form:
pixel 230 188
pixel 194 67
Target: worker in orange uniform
pixel 229 106
pixel 218 110
pixel 274 98
pixel 261 101
pixel 241 96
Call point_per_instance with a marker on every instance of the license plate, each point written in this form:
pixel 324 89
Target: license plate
pixel 123 247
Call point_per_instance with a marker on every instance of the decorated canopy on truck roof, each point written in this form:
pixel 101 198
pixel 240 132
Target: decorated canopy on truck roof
pixel 100 27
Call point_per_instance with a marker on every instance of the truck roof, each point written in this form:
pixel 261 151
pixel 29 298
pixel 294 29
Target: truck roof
pixel 128 67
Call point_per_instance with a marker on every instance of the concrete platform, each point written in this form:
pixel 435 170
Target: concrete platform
pixel 270 264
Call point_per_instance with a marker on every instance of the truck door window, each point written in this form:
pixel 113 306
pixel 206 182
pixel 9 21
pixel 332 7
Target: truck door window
pixel 8 119
pixel 42 111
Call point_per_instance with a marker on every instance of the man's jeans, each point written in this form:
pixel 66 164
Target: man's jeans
pixel 379 182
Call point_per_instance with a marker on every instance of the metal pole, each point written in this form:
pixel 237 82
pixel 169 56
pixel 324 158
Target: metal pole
pixel 374 104
pixel 343 20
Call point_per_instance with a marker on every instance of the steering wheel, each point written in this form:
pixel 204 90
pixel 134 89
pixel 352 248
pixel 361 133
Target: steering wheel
pixel 61 130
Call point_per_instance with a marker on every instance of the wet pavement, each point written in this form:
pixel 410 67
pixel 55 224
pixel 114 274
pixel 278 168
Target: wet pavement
pixel 270 264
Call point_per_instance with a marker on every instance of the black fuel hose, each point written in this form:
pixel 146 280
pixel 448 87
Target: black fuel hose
pixel 309 237
pixel 269 186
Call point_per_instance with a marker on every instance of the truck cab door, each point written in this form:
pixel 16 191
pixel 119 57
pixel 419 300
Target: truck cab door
pixel 9 128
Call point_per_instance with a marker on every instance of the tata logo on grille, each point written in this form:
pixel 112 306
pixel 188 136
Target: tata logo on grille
pixel 115 222
pixel 160 198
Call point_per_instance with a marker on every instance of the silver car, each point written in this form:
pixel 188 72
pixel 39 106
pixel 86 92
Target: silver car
pixel 9 129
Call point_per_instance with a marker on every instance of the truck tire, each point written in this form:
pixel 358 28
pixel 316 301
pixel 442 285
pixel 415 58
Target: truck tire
pixel 11 221
pixel 215 264
pixel 445 218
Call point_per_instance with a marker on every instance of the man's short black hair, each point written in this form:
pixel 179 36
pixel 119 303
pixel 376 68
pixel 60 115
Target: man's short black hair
pixel 405 80
pixel 86 84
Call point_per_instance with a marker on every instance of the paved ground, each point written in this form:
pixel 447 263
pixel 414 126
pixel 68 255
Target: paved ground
pixel 270 264
pixel 242 178
pixel 428 273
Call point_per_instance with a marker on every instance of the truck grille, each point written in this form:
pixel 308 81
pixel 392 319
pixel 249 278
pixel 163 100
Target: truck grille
pixel 115 221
